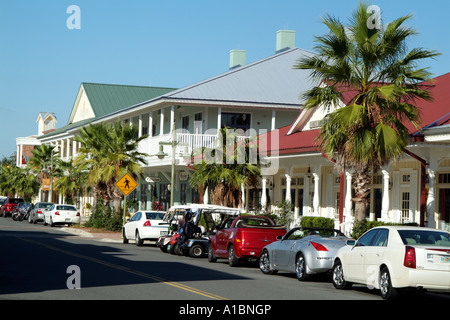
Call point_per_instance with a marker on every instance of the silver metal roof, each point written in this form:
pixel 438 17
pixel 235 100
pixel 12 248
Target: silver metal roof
pixel 271 80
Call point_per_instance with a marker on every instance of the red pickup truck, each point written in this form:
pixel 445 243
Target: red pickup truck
pixel 243 237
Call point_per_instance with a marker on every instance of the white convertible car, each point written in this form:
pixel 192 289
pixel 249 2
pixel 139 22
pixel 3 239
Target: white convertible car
pixel 389 258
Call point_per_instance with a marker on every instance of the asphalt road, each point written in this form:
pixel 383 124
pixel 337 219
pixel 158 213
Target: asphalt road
pixel 45 263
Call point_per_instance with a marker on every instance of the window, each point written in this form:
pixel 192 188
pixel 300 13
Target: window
pixel 444 178
pixel 198 123
pixel 381 238
pixel 367 238
pixel 185 123
pixel 405 207
pixel 236 120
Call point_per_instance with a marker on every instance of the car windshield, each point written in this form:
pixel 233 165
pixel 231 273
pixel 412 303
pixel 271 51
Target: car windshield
pixel 426 237
pixel 254 221
pixel 68 208
pixel 154 215
pixel 15 200
pixel 44 205
pixel 300 233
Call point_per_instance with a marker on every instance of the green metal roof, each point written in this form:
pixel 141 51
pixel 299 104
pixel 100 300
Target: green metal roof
pixel 109 98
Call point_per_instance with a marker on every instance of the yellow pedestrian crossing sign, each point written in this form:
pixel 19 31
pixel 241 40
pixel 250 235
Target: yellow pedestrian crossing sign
pixel 126 184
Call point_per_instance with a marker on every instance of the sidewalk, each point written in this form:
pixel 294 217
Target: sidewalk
pixel 107 236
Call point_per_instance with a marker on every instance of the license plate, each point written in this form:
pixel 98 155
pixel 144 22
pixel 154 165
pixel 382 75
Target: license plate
pixel 445 259
pixel 163 233
pixel 68 219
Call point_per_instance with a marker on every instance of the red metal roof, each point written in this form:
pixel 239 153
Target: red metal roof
pixel 433 113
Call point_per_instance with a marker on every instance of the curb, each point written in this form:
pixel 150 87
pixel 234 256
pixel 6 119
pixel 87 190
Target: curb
pixel 86 234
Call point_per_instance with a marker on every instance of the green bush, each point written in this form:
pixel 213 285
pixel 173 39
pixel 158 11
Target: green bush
pixel 105 218
pixel 317 222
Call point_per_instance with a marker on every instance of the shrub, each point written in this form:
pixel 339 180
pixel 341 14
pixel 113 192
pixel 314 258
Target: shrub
pixel 317 222
pixel 105 218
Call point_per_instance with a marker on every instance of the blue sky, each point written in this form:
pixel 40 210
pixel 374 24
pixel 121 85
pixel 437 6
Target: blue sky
pixel 169 43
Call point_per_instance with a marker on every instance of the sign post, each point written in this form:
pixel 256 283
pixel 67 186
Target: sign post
pixel 126 184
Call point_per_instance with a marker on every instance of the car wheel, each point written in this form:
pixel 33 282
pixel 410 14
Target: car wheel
pixel 338 277
pixel 196 251
pixel 386 289
pixel 300 268
pixel 138 239
pixel 124 237
pixel 233 261
pixel 211 257
pixel 264 263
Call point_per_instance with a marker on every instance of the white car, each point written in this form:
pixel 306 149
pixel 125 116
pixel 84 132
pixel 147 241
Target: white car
pixel 145 225
pixel 389 258
pixel 61 214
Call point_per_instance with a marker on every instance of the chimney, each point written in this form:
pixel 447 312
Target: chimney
pixel 237 58
pixel 285 40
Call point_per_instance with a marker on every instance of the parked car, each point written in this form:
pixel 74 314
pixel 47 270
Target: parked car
pixel 389 258
pixel 37 213
pixel 8 206
pixel 144 225
pixel 305 251
pixel 61 214
pixel 243 238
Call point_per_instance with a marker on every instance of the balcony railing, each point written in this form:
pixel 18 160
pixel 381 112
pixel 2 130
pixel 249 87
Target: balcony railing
pixel 186 143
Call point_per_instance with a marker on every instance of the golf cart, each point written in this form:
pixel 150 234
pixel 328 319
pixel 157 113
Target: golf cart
pixel 197 226
pixel 172 218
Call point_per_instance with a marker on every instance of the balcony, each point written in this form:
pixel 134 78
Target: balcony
pixel 186 144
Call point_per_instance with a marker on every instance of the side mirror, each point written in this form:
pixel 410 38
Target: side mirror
pixel 279 237
pixel 350 242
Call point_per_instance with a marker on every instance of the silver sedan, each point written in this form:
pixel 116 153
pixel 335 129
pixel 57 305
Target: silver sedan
pixel 302 250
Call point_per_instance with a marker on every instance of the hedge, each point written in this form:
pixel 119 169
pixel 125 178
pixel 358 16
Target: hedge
pixel 317 222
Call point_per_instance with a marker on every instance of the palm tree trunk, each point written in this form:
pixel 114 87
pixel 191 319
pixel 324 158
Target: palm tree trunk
pixel 362 190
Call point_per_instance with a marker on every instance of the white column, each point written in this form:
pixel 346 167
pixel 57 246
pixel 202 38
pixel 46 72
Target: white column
pixel 219 119
pixel 74 148
pixel 385 200
pixel 348 196
pixel 273 127
pixel 206 196
pixel 316 194
pixel 288 189
pixel 161 123
pixel 431 200
pixel 150 124
pixel 263 193
pixel 140 126
pixel 172 117
pixel 19 155
pixel 243 198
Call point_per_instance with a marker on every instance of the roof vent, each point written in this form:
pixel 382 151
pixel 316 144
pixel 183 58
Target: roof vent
pixel 285 40
pixel 237 58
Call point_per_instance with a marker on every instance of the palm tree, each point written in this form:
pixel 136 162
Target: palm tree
pixel 71 181
pixel 225 177
pixel 44 162
pixel 108 152
pixel 383 79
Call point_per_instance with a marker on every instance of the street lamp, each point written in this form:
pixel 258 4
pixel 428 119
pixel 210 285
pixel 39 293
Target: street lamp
pixel 161 155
